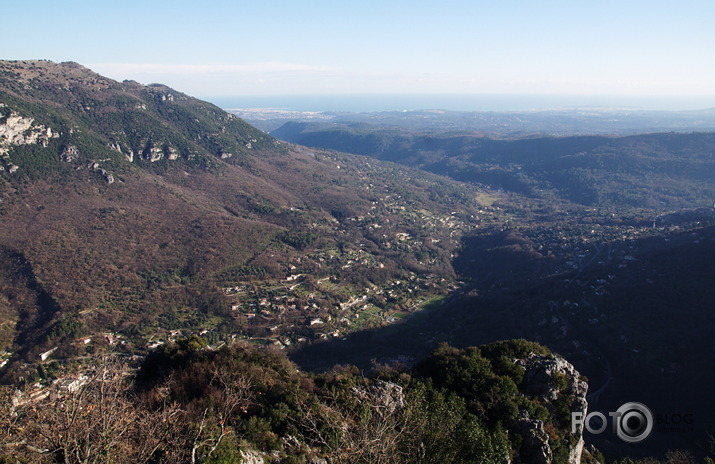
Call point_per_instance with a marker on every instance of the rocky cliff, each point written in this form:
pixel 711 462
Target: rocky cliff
pixel 561 388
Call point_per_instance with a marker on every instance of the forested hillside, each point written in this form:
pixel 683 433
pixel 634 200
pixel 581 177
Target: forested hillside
pixel 659 171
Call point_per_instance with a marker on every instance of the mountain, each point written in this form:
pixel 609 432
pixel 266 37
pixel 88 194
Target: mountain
pixel 132 214
pixel 662 171
pixel 139 221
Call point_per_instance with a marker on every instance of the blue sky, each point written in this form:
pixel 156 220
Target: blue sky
pixel 273 47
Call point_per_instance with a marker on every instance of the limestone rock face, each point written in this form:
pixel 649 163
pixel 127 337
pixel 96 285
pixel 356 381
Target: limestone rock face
pixel 69 154
pixel 18 130
pixel 15 130
pixel 552 379
pixel 173 153
pixel 153 153
pixel 108 177
pixel 535 448
pixel 251 457
pixel 540 375
pixel 385 397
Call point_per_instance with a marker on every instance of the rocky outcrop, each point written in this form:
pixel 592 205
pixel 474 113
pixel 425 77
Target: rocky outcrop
pixel 535 447
pixel 553 380
pixel 251 457
pixel 108 177
pixel 172 153
pixel 385 397
pixel 69 154
pixel 18 130
pixel 549 377
pixel 154 152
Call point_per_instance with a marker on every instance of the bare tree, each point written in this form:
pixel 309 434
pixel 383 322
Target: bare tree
pixel 84 423
pixel 91 419
pixel 371 430
pixel 230 394
pixel 679 457
pixel 10 423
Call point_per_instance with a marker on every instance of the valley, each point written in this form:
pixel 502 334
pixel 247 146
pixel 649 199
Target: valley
pixel 138 221
pixel 606 242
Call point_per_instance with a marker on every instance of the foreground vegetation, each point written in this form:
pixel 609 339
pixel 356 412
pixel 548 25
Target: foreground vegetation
pixel 187 403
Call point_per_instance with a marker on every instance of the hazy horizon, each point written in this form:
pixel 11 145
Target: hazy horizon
pixel 460 102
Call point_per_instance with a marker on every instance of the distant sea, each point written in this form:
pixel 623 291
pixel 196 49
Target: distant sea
pixel 375 102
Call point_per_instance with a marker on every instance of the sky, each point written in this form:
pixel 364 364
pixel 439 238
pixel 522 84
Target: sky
pixel 307 47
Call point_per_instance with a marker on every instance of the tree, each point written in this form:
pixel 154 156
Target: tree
pixel 91 418
pixel 366 426
pixel 230 393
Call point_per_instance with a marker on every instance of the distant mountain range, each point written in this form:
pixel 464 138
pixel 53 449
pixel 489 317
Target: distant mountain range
pixel 500 124
pixel 661 170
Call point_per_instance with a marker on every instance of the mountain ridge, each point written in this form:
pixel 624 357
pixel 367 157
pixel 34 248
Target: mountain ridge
pixel 657 171
pixel 141 210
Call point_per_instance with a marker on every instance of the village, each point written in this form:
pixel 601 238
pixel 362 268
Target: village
pixel 328 292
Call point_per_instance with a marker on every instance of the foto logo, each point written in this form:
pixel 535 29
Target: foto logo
pixel 632 422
